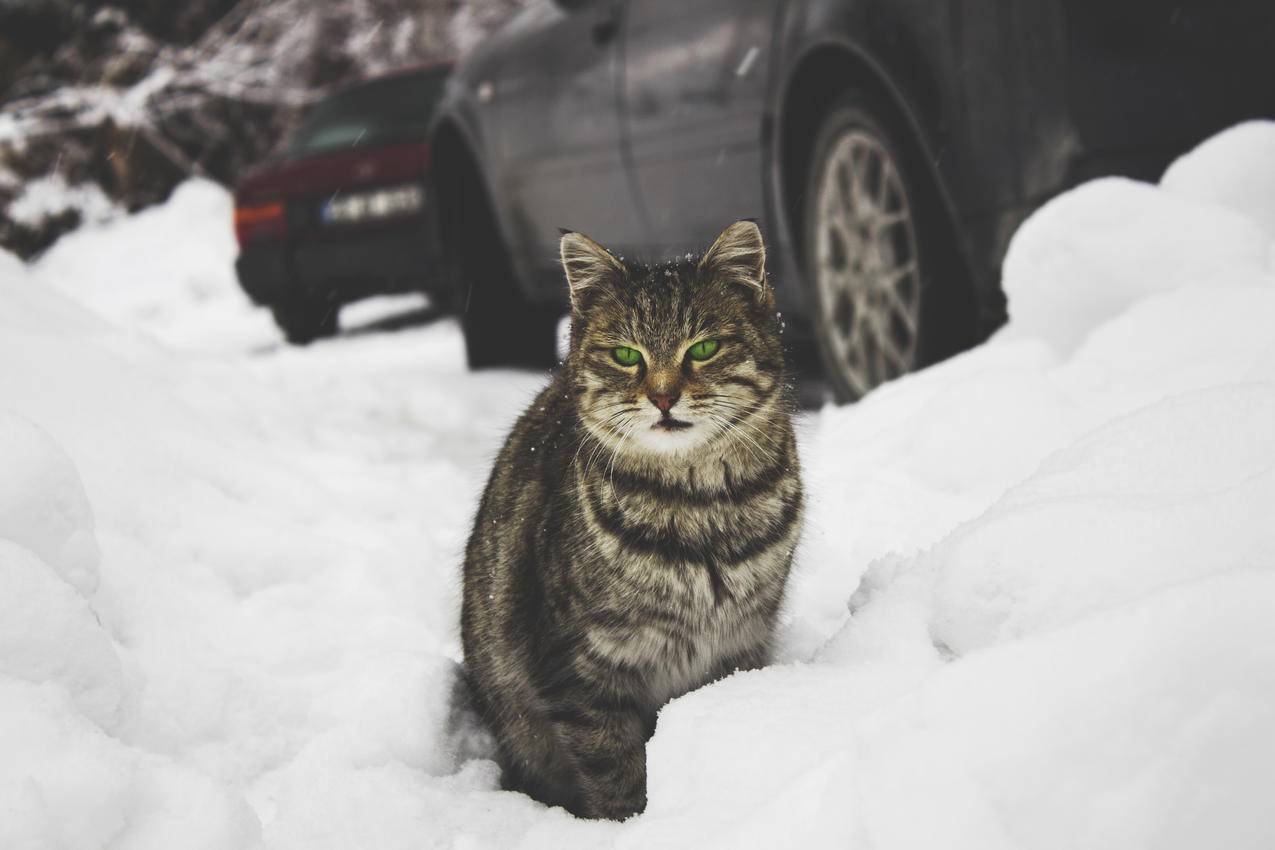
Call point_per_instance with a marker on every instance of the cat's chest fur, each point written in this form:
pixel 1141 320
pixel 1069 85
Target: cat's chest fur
pixel 687 565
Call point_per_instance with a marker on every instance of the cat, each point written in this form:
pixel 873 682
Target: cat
pixel 637 530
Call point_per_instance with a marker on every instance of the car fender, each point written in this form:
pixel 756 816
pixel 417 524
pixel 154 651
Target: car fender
pixel 460 112
pixel 895 69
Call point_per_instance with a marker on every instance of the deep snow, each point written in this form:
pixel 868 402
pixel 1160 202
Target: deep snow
pixel 1032 607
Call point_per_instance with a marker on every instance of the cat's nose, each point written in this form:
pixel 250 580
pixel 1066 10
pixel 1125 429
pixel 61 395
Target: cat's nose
pixel 664 401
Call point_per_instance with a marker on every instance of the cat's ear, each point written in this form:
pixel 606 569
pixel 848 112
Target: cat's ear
pixel 587 265
pixel 738 255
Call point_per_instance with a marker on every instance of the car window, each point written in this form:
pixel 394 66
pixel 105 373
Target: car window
pixel 382 111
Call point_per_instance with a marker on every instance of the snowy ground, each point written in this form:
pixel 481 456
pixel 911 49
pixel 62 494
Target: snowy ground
pixel 1033 607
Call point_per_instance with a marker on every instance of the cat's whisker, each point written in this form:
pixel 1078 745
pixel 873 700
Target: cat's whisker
pixel 741 428
pixel 734 412
pixel 616 453
pixel 754 450
pixel 770 439
pixel 757 452
pixel 741 416
pixel 607 424
pixel 597 450
pixel 585 440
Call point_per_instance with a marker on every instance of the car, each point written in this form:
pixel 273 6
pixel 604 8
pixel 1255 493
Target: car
pixel 887 148
pixel 343 210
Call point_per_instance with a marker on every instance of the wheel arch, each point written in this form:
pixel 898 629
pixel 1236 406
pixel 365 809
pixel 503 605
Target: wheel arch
pixel 822 74
pixel 819 78
pixel 466 202
pixel 502 325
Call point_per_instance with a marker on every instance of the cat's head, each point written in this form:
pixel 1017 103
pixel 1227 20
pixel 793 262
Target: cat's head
pixel 672 358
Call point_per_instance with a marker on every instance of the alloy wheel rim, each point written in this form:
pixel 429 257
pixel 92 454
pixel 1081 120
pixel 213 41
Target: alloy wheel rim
pixel 867 271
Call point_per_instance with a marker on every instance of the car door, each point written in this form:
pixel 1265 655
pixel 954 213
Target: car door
pixel 557 133
pixel 694 86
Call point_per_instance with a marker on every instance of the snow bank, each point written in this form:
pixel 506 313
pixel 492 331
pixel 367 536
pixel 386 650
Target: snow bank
pixel 42 503
pixel 168 271
pixel 1032 607
pixel 1091 253
pixel 1234 170
pixel 68 779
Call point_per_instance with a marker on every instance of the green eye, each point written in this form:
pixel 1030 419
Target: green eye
pixel 704 349
pixel 626 356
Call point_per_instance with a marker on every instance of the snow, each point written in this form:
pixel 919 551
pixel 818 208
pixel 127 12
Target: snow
pixel 1077 263
pixel 50 195
pixel 1234 170
pixel 167 271
pixel 1031 608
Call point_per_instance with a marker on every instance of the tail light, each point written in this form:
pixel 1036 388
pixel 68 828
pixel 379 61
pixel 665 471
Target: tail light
pixel 259 222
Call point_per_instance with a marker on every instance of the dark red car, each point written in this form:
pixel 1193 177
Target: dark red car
pixel 342 210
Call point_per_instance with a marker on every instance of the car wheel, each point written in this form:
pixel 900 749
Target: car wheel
pixel 868 252
pixel 502 327
pixel 303 320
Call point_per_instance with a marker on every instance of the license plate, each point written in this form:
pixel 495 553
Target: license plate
pixel 356 207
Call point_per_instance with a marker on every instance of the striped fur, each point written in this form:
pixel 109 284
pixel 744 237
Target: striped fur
pixel 614 564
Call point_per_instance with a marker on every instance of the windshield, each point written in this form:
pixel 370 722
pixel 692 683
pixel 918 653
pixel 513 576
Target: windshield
pixel 393 109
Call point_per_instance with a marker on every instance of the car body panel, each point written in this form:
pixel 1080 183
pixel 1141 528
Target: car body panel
pixel 693 105
pixel 563 167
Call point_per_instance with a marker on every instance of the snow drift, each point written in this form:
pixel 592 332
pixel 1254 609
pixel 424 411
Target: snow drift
pixel 1032 607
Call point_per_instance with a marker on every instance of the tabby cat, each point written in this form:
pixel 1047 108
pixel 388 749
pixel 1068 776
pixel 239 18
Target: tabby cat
pixel 639 525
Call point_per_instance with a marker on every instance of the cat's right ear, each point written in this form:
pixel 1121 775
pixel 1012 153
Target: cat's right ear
pixel 587 265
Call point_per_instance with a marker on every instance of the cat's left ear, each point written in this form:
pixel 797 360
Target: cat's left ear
pixel 587 265
pixel 738 255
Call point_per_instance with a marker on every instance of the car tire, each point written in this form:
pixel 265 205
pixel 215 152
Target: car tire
pixel 872 240
pixel 502 327
pixel 492 341
pixel 303 320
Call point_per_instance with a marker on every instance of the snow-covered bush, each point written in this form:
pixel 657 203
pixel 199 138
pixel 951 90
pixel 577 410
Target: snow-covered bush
pixel 123 102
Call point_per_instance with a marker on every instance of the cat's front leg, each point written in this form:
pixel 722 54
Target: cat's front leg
pixel 605 735
pixel 751 658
